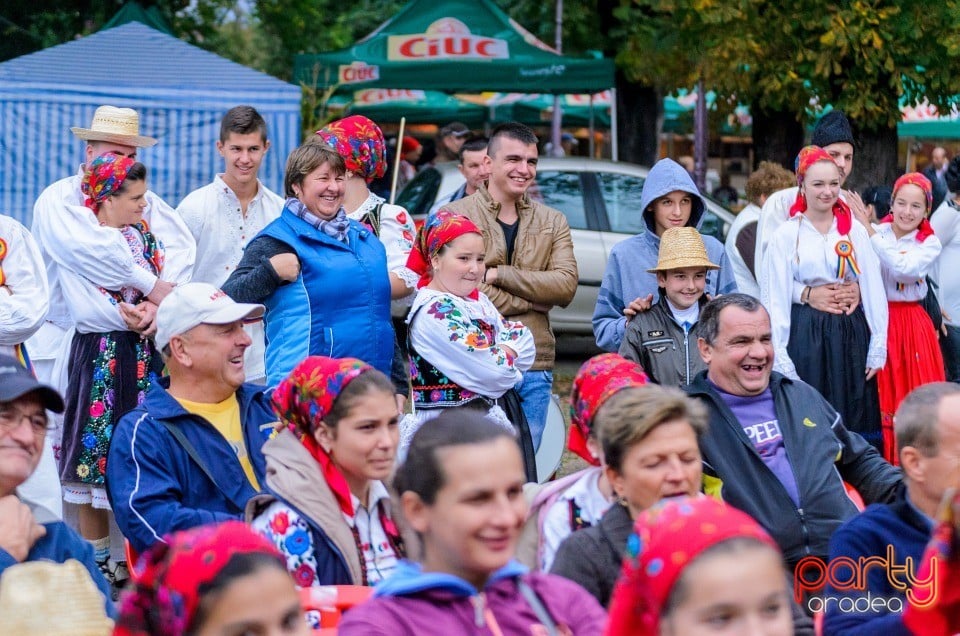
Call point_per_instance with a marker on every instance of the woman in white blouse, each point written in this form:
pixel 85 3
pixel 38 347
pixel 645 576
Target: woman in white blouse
pixel 462 351
pixel 905 243
pixel 112 358
pixel 840 353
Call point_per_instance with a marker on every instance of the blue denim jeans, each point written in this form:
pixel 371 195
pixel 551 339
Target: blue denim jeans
pixel 535 390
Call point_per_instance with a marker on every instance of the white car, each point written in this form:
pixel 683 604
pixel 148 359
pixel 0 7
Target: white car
pixel 601 200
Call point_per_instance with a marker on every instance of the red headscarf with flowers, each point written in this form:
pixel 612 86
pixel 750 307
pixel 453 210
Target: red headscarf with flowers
pixel 439 229
pixel 915 178
pixel 104 176
pixel 305 397
pixel 597 380
pixel 808 156
pixel 667 538
pixel 360 142
pixel 167 592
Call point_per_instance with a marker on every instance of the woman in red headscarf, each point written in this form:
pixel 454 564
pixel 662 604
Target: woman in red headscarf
pixel 462 351
pixel 326 508
pixel 216 579
pixel 839 352
pixel 579 500
pixel 696 567
pixel 907 249
pixel 112 358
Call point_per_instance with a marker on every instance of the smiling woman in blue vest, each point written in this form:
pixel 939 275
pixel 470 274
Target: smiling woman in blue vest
pixel 322 276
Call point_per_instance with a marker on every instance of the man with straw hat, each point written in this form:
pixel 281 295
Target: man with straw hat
pixel 67 233
pixel 29 532
pixel 664 339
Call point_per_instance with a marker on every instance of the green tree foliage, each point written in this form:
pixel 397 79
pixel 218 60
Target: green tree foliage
pixel 860 56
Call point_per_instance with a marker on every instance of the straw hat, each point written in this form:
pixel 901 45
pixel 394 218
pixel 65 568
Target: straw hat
pixel 682 247
pixel 115 125
pixel 42 597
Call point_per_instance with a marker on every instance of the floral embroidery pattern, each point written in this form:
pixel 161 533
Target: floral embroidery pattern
pixel 289 532
pixel 98 429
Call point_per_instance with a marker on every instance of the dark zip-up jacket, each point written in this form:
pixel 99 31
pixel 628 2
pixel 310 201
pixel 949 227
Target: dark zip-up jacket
pixel 822 452
pixel 667 353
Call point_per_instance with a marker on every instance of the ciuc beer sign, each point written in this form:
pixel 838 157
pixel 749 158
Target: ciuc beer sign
pixel 357 73
pixel 445 39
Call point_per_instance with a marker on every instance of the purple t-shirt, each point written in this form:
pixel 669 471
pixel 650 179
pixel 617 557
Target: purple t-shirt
pixel 758 417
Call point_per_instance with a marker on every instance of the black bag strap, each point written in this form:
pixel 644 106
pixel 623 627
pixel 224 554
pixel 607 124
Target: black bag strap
pixel 194 455
pixel 538 607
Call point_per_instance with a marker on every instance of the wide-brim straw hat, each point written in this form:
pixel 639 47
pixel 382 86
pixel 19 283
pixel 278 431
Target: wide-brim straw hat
pixel 42 597
pixel 115 125
pixel 682 247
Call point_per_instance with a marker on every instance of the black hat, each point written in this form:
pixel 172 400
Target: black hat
pixel 832 128
pixel 16 381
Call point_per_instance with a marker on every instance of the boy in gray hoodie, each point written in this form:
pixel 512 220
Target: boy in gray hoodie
pixel 669 199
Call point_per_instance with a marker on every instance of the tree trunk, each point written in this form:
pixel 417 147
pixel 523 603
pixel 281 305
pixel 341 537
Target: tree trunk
pixel 777 136
pixel 875 159
pixel 639 119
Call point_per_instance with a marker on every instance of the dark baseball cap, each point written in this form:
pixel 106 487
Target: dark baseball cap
pixel 16 381
pixel 455 128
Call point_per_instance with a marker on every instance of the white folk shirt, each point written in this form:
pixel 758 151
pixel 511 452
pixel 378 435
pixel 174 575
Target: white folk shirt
pixel 25 296
pixel 904 262
pixel 946 223
pixel 397 234
pixel 585 493
pixel 379 558
pixel 798 254
pixel 68 233
pixel 221 230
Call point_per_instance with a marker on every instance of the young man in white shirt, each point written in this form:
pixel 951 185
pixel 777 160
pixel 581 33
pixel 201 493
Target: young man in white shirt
pixel 224 215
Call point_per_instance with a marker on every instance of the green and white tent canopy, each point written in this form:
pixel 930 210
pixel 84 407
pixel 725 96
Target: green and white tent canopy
pixel 466 46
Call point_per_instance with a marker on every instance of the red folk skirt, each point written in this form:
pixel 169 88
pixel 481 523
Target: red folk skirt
pixel 913 358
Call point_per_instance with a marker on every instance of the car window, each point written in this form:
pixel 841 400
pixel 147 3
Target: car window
pixel 561 191
pixel 418 196
pixel 621 195
pixel 712 225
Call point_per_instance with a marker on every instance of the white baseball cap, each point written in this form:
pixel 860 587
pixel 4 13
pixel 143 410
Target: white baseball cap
pixel 195 304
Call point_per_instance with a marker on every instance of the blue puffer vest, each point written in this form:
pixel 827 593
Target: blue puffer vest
pixel 339 306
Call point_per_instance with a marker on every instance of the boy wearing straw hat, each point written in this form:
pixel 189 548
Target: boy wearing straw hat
pixel 664 339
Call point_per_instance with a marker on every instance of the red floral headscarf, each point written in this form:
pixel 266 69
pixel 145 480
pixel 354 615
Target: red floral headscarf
pixel 439 229
pixel 667 538
pixel 598 379
pixel 360 142
pixel 305 397
pixel 915 178
pixel 103 177
pixel 166 595
pixel 808 156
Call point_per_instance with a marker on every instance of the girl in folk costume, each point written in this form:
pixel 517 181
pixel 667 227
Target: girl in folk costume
pixel 462 351
pixel 326 507
pixel 112 358
pixel 839 353
pixel 907 249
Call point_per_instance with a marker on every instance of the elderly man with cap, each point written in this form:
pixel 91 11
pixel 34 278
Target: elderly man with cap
pixel 834 134
pixel 30 532
pixel 449 140
pixel 191 453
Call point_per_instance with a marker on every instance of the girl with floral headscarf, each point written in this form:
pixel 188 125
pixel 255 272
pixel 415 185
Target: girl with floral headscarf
pixel 698 566
pixel 326 508
pixel 907 248
pixel 838 352
pixel 462 351
pixel 209 580
pixel 112 358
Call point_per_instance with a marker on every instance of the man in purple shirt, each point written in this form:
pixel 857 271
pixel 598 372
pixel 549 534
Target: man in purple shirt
pixel 775 448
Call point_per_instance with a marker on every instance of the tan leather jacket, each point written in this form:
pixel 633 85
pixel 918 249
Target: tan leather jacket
pixel 543 270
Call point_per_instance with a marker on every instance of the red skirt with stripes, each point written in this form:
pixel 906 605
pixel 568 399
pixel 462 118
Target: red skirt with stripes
pixel 913 358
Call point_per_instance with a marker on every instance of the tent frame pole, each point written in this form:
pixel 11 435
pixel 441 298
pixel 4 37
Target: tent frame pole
pixel 614 144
